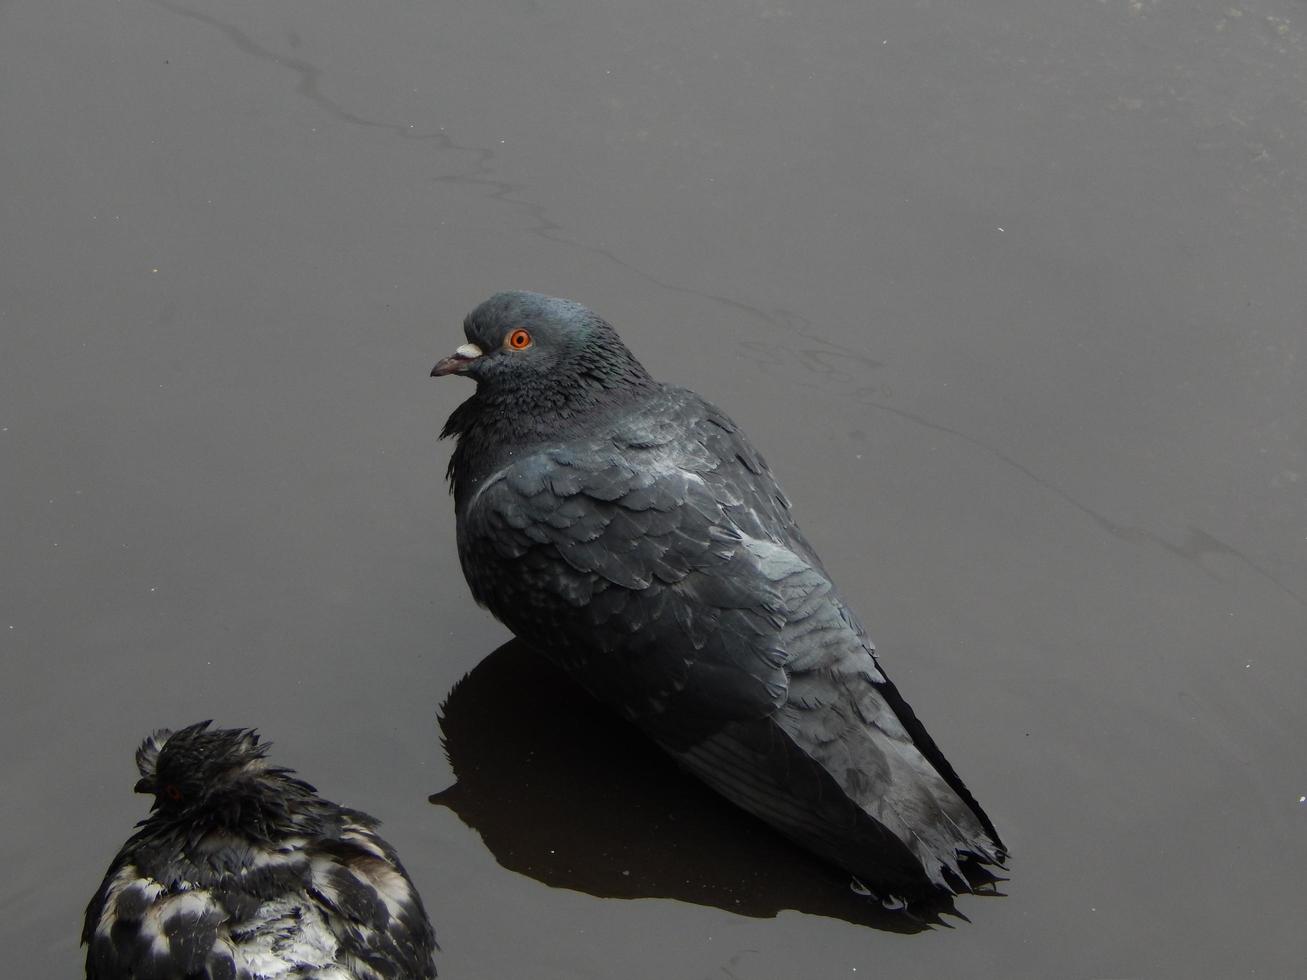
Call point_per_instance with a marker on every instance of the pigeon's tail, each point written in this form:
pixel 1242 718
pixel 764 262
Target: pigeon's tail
pixel 755 766
pixel 892 829
pixel 997 851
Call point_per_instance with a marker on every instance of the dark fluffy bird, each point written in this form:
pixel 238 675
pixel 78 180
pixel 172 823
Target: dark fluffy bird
pixel 629 531
pixel 242 872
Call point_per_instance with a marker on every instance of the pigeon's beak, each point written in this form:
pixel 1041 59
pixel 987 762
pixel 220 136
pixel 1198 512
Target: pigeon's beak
pixel 143 786
pixel 457 363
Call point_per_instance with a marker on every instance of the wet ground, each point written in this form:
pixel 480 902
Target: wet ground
pixel 1011 295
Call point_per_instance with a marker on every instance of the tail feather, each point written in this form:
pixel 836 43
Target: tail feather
pixel 875 799
pixel 994 851
pixel 757 766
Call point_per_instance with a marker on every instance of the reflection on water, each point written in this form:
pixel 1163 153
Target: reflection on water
pixel 563 791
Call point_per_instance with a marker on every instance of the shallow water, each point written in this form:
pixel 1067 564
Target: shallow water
pixel 1011 296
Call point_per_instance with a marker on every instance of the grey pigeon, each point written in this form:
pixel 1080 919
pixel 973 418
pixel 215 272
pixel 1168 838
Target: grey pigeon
pixel 242 872
pixel 630 532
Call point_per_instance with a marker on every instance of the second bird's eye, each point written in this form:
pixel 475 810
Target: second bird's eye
pixel 173 792
pixel 519 339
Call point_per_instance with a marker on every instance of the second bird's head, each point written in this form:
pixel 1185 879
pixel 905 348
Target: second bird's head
pixel 521 340
pixel 213 773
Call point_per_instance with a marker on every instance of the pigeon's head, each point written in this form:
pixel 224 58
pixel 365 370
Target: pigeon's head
pixel 525 343
pixel 195 767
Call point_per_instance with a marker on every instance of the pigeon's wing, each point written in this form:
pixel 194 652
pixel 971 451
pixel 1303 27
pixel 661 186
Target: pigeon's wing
pixel 653 561
pixel 624 557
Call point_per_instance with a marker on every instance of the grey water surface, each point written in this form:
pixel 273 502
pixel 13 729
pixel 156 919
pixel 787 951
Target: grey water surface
pixel 1013 296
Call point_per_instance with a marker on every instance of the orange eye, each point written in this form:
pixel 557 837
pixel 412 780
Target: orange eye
pixel 173 792
pixel 519 339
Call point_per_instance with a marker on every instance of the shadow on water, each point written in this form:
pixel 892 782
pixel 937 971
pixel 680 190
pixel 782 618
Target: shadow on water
pixel 563 791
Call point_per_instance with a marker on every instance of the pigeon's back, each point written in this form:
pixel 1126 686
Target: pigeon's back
pixel 653 556
pixel 243 872
pixel 336 906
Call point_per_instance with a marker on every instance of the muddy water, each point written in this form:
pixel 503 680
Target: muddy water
pixel 1011 296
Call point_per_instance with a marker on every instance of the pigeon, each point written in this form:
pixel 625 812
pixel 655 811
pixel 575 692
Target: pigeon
pixel 630 532
pixel 242 872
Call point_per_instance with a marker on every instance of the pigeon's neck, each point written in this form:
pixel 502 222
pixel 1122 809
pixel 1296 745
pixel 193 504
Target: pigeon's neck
pixel 279 806
pixel 496 426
